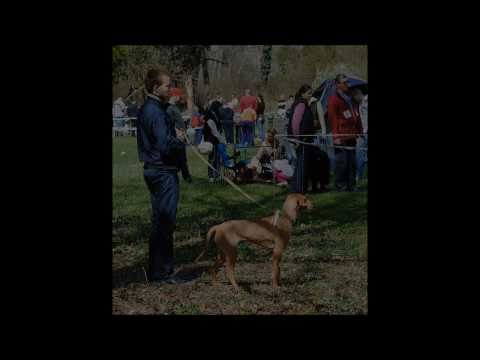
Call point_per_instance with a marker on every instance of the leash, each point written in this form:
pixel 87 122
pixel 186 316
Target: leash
pixel 230 182
pixel 332 146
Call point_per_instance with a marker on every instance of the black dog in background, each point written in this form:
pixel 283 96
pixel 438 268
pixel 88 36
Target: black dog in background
pixel 318 170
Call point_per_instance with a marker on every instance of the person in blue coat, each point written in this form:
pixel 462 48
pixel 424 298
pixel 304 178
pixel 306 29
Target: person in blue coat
pixel 161 148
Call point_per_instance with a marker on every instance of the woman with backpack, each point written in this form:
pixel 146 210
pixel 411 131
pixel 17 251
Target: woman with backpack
pixel 301 123
pixel 212 134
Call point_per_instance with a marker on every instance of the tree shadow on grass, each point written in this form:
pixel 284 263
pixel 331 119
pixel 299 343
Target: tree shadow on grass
pixel 128 275
pixel 344 210
pixel 135 274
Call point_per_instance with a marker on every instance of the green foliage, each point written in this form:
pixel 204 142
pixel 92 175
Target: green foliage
pixel 275 69
pixel 266 62
pixel 119 62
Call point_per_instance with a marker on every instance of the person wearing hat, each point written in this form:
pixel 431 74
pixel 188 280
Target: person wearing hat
pixel 346 127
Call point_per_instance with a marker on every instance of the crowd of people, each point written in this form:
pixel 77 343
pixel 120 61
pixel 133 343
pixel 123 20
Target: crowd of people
pixel 343 128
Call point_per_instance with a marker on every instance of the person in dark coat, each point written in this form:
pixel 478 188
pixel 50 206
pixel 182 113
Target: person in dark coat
pixel 160 148
pixel 301 123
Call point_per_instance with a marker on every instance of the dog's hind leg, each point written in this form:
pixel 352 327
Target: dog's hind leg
pixel 218 262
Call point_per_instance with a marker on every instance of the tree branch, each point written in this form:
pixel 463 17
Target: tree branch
pixel 220 61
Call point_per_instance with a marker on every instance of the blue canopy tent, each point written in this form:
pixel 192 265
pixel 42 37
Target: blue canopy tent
pixel 328 88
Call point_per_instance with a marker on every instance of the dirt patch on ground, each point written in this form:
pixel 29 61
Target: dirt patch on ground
pixel 323 288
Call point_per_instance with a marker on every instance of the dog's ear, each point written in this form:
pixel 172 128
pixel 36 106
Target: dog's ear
pixel 301 202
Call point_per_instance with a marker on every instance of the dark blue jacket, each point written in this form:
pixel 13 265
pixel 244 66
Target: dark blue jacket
pixel 227 115
pixel 156 138
pixel 132 110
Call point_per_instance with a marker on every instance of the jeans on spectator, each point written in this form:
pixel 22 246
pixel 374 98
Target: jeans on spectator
pixel 246 137
pixel 198 135
pixel 331 151
pixel 251 133
pixel 261 128
pixel 228 126
pixel 164 193
pixel 214 160
pixel 345 167
pixel 223 155
pixel 362 156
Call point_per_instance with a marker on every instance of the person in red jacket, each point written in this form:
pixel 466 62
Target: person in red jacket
pixel 346 126
pixel 248 101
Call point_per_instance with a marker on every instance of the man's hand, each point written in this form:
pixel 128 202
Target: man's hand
pixel 181 135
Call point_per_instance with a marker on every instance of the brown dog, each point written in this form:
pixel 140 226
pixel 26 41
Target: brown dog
pixel 272 232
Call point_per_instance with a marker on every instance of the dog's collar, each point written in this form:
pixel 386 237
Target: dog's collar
pixel 276 217
pixel 279 213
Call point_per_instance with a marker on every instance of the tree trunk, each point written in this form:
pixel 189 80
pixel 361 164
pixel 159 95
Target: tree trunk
pixel 189 91
pixel 206 79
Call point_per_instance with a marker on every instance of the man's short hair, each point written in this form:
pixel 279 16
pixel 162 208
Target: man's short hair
pixel 154 78
pixel 340 77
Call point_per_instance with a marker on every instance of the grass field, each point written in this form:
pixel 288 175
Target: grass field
pixel 324 269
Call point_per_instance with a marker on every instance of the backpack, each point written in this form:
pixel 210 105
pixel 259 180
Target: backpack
pixel 306 124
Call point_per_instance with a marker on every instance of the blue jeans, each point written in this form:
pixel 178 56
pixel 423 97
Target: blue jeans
pixel 345 168
pixel 261 128
pixel 164 194
pixel 246 137
pixel 222 149
pixel 198 135
pixel 251 133
pixel 214 160
pixel 362 157
pixel 228 125
pixel 331 151
pixel 290 154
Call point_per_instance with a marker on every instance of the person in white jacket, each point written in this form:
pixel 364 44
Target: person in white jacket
pixel 119 108
pixel 118 111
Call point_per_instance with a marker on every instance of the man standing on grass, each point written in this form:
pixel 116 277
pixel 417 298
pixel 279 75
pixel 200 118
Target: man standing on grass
pixel 248 101
pixel 346 127
pixel 160 148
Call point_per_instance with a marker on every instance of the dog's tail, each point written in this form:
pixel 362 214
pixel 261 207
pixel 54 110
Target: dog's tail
pixel 210 236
